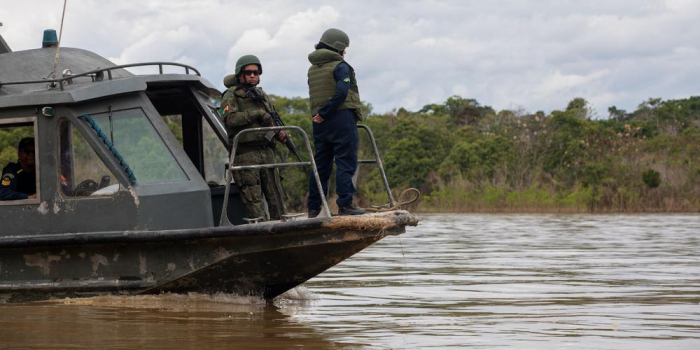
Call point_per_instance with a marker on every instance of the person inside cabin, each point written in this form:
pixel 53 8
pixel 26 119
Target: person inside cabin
pixel 19 179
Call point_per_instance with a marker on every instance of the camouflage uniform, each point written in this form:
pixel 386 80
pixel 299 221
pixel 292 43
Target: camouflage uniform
pixel 240 112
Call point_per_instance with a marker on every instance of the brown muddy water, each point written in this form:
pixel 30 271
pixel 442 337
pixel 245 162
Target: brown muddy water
pixel 455 281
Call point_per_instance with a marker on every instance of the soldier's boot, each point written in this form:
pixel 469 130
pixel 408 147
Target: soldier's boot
pixel 314 213
pixel 351 210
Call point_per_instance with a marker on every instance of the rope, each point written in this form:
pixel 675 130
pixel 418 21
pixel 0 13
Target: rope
pixel 60 34
pixel 110 146
pixel 399 205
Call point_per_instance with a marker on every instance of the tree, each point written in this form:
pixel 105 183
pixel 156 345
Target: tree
pixel 616 114
pixel 580 108
pixel 461 111
pixel 651 178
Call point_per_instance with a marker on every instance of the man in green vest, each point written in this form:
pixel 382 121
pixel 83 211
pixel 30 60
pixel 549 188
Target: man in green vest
pixel 240 111
pixel 335 109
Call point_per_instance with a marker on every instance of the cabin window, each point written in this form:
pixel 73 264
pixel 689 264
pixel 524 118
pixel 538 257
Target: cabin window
pixel 19 182
pixel 82 172
pixel 215 155
pixel 139 144
pixel 175 125
pixel 184 111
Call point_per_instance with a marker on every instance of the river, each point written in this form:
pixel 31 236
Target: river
pixel 455 281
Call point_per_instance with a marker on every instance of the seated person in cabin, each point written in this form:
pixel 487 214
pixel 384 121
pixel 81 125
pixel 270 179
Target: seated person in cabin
pixel 19 179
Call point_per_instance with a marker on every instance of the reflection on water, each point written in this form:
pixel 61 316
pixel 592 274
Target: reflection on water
pixel 170 321
pixel 456 281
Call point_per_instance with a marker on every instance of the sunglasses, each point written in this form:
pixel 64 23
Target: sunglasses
pixel 251 72
pixel 27 151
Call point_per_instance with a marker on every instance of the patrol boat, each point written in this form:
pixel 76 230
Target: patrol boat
pixel 128 205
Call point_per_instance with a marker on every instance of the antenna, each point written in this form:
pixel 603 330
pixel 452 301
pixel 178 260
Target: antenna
pixel 58 48
pixel 4 48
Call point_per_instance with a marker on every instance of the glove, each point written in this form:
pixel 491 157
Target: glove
pixel 265 119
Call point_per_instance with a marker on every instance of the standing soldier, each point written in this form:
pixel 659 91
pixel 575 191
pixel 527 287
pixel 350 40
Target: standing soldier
pixel 240 111
pixel 336 109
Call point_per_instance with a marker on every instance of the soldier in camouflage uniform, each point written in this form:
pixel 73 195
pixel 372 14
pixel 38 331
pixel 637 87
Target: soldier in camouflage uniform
pixel 240 111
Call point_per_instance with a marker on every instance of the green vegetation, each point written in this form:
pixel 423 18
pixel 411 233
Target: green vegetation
pixel 9 139
pixel 466 157
pixel 144 151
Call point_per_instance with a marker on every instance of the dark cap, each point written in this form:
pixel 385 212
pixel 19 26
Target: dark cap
pixel 25 142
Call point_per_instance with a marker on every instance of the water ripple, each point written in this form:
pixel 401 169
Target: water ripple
pixel 589 281
pixel 455 281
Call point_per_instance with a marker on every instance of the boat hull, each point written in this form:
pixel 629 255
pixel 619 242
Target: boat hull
pixel 261 259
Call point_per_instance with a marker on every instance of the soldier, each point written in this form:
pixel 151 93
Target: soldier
pixel 336 108
pixel 240 111
pixel 19 179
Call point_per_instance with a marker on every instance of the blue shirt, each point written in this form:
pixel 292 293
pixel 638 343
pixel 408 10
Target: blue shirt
pixel 341 73
pixel 16 183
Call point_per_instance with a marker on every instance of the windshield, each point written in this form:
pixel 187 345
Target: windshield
pixel 140 145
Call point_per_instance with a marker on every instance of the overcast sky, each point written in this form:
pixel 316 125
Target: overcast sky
pixel 508 54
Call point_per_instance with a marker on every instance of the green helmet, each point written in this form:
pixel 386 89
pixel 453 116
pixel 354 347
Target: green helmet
pixel 230 80
pixel 336 39
pixel 246 60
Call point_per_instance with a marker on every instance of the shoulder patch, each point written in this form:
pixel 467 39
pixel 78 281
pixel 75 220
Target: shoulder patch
pixel 227 106
pixel 347 80
pixel 7 179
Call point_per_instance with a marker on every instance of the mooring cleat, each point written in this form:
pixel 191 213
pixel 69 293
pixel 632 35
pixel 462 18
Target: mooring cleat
pixel 290 217
pixel 254 220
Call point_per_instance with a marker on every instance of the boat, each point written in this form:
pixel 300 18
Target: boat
pixel 128 204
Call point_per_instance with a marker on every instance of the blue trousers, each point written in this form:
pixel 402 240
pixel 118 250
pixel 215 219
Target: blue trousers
pixel 335 138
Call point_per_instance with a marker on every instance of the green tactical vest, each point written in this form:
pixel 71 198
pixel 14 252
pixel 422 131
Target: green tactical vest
pixel 246 103
pixel 322 82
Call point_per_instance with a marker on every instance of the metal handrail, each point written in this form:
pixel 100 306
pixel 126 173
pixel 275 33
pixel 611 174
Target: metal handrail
pixel 325 211
pixel 94 74
pixel 378 162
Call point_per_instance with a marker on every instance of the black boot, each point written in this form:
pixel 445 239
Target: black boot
pixel 351 210
pixel 314 213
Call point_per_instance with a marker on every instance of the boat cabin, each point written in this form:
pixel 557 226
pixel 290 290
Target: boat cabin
pixel 114 150
pixel 131 182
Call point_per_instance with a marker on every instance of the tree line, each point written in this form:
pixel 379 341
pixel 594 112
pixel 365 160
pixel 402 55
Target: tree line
pixel 468 157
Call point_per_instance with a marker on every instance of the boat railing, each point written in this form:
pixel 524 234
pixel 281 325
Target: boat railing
pixel 325 211
pixel 378 161
pixel 99 74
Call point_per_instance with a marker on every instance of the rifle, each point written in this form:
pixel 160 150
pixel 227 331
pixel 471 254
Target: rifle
pixel 277 121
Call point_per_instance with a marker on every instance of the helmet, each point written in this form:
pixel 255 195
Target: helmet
pixel 230 80
pixel 24 143
pixel 336 39
pixel 246 60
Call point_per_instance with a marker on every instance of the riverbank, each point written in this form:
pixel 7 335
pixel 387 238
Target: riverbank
pixel 467 157
pixel 584 200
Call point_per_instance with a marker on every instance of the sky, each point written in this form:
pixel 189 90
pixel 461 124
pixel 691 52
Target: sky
pixel 508 54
